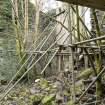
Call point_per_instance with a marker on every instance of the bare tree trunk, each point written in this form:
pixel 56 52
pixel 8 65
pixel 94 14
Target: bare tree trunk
pixel 38 6
pixel 22 7
pixel 16 8
pixel 26 25
pixel 13 14
pixel 15 17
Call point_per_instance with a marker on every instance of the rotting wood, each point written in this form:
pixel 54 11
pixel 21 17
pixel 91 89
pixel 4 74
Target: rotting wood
pixel 49 61
pixel 29 69
pixel 72 46
pixel 91 62
pixel 23 64
pixel 97 4
pixel 90 40
pixel 26 60
pixel 71 58
pixel 98 59
pixel 91 84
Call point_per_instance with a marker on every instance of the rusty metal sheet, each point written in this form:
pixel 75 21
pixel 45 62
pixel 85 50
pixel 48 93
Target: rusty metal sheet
pixel 97 4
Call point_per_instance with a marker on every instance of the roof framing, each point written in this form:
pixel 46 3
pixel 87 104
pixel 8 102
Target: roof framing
pixel 97 4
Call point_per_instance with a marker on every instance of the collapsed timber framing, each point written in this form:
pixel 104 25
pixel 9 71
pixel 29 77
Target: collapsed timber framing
pixel 57 51
pixel 97 4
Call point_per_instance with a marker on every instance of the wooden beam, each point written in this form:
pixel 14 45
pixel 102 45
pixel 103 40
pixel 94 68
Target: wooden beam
pixel 97 4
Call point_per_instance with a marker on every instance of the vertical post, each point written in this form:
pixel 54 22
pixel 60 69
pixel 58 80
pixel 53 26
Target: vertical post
pixel 71 62
pixel 78 35
pixel 86 61
pixel 78 25
pixel 60 60
pixel 98 59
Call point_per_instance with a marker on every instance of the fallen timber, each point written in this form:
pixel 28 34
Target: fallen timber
pixel 62 53
pixel 66 53
pixel 96 4
pixel 91 84
pixel 90 40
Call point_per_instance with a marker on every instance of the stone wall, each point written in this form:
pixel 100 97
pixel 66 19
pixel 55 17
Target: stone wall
pixel 8 57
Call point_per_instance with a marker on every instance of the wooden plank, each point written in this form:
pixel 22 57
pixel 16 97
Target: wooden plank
pixel 97 4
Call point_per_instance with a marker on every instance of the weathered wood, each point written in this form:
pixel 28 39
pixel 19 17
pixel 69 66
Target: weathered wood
pixel 97 4
pixel 91 84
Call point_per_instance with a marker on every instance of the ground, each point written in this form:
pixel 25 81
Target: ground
pixel 51 91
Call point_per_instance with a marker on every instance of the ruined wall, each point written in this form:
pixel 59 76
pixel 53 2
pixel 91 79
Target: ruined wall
pixel 8 56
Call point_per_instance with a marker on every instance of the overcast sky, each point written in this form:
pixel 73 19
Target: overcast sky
pixel 49 4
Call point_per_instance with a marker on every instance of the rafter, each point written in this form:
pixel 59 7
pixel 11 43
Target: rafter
pixel 97 4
